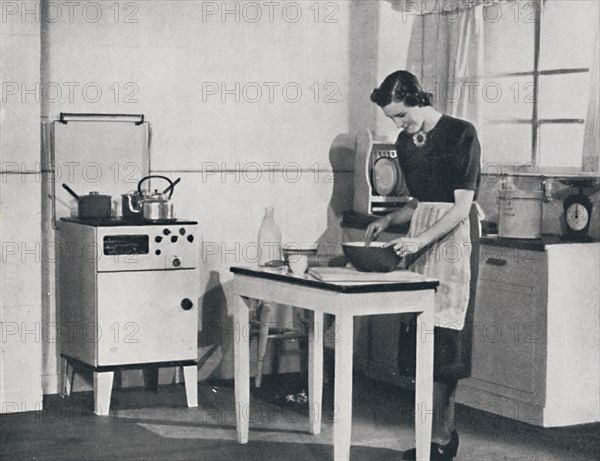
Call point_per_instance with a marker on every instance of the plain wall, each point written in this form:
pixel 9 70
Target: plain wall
pixel 22 333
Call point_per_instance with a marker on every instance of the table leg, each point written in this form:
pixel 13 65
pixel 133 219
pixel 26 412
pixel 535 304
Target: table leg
pixel 241 356
pixel 190 376
pixel 342 418
pixel 424 384
pixel 315 371
pixel 103 382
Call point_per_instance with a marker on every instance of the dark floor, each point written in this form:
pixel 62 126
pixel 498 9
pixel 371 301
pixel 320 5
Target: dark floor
pixel 148 425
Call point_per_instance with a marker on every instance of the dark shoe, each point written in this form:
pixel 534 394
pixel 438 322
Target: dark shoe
pixel 438 452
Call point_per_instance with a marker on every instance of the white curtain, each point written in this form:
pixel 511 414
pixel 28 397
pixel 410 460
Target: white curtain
pixel 444 53
pixel 434 6
pixel 591 139
pixel 468 62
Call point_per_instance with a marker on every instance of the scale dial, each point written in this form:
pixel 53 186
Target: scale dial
pixel 577 214
pixel 385 176
pixel 577 217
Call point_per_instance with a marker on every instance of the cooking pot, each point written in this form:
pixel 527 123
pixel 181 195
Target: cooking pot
pixel 93 205
pixel 151 206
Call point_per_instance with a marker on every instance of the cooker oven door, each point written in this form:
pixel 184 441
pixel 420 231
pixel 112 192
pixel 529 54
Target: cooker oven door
pixel 147 316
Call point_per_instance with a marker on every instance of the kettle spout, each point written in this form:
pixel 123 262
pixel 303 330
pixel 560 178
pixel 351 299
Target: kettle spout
pixel 134 208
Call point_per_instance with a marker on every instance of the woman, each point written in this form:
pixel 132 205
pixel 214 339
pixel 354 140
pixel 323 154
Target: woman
pixel 440 158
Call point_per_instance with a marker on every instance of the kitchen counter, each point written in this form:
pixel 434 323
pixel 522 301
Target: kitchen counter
pixel 533 356
pixel 523 244
pixel 536 310
pixel 354 220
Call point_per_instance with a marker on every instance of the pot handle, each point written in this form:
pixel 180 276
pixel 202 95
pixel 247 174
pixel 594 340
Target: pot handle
pixel 70 191
pixel 156 176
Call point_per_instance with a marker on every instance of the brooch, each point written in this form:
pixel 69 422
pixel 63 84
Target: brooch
pixel 420 138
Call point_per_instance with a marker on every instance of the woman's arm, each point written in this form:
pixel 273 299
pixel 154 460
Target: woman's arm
pixel 399 216
pixel 404 214
pixel 463 198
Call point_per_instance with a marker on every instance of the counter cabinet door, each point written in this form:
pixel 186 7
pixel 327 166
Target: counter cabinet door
pixel 509 323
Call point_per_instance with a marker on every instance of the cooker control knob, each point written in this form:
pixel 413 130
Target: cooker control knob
pixel 176 262
pixel 186 304
pixel 173 238
pixel 158 239
pixel 182 231
pixel 166 231
pixel 190 238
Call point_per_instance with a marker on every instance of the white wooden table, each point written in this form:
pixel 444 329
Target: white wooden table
pixel 344 301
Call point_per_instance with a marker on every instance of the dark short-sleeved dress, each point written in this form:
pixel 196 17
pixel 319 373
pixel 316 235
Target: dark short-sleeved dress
pixel 449 160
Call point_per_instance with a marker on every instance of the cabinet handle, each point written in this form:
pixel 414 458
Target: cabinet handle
pixel 496 261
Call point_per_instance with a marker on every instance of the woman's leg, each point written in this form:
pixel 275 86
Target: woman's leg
pixel 451 407
pixel 443 412
pixel 444 445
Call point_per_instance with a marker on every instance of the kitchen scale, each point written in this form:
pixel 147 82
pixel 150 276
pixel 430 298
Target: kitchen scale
pixel 577 209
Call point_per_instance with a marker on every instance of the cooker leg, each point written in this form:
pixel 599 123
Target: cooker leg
pixel 103 382
pixel 68 377
pixel 190 375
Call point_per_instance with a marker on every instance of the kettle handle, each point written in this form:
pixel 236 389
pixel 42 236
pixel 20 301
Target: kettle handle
pixel 156 176
pixel 170 188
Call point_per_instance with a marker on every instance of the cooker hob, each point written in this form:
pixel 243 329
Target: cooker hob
pixel 119 221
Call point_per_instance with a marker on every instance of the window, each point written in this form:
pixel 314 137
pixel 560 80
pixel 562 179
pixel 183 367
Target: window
pixel 537 81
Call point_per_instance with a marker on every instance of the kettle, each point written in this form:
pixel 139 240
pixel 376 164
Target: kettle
pixel 155 206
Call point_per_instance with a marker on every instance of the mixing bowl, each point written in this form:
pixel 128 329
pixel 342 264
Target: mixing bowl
pixel 374 258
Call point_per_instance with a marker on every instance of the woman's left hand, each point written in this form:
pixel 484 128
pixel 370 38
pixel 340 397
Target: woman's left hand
pixel 404 246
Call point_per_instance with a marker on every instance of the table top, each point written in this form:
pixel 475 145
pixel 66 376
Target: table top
pixel 417 282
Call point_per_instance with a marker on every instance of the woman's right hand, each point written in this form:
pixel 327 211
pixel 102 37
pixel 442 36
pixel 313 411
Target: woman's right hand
pixel 376 228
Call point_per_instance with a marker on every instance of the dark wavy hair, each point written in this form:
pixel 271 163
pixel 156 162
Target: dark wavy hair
pixel 401 86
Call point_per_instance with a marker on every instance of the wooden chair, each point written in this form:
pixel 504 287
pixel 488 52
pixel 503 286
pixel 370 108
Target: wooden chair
pixel 263 328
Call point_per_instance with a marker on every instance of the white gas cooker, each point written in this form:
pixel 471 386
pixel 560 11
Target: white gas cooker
pixel 128 293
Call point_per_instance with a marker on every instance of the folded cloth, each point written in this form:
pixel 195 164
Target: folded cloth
pixel 447 260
